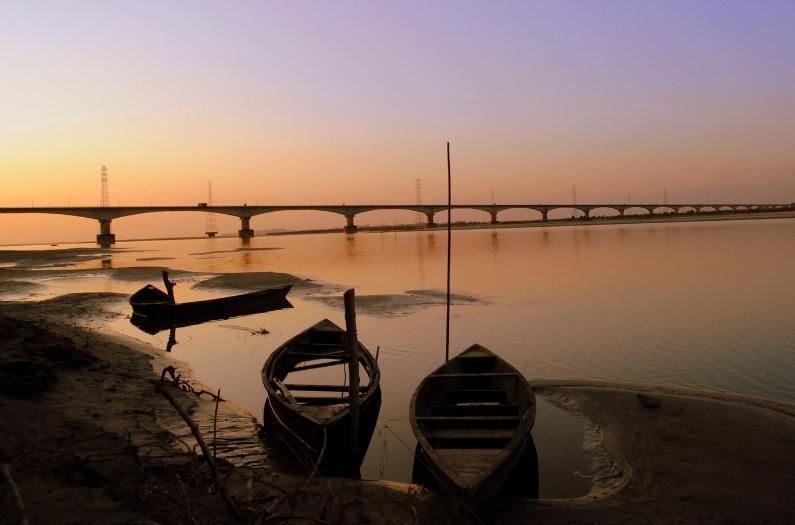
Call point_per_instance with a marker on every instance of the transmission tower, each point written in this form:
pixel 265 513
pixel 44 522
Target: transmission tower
pixel 418 191
pixel 104 197
pixel 211 230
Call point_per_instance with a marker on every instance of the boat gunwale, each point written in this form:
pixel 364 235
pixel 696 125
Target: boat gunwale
pixel 521 430
pixel 374 376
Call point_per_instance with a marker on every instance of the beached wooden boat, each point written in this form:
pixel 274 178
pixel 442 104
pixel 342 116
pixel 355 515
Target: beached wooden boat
pixel 472 418
pixel 153 303
pixel 315 416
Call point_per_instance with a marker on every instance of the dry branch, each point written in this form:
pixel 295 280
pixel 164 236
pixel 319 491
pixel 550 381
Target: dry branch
pixel 5 460
pixel 230 503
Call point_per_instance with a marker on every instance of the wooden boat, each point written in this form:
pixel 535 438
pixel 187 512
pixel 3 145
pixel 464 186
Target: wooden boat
pixel 316 416
pixel 472 418
pixel 156 305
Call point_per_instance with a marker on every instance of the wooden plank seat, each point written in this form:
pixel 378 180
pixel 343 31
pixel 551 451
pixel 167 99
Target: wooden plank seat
pixel 475 395
pixel 468 437
pixel 324 364
pixel 468 421
pixel 315 400
pixel 316 348
pixel 339 354
pixel 474 376
pixel 504 409
pixel 321 388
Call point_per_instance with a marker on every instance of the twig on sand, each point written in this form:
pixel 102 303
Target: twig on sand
pixel 5 459
pixel 230 503
pixel 215 420
pixel 176 380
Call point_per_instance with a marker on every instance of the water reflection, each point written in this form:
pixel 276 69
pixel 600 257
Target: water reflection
pixel 350 246
pixel 432 243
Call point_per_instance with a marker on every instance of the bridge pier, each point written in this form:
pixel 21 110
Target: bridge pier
pixel 350 227
pixel 245 231
pixel 587 212
pixel 545 215
pixel 494 217
pixel 105 238
pixel 430 223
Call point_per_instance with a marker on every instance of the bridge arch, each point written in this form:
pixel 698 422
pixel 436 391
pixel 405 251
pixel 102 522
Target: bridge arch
pixel 670 209
pixel 614 209
pixel 295 219
pixel 46 228
pixel 519 213
pixel 397 216
pixel 565 212
pixel 460 214
pixel 637 210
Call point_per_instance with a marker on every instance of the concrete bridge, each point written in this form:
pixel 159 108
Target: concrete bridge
pixel 107 214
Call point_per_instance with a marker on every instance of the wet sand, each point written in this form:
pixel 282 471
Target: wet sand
pixel 97 432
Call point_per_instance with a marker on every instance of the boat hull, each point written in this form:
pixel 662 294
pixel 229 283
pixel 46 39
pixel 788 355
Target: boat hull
pixel 317 427
pixel 472 418
pixel 154 305
pixel 306 437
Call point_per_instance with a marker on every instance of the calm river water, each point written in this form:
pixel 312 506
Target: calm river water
pixel 702 304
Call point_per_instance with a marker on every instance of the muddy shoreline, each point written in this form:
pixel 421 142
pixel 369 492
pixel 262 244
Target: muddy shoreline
pixel 98 432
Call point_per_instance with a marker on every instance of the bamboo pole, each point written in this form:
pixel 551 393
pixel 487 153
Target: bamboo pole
pixel 353 366
pixel 449 244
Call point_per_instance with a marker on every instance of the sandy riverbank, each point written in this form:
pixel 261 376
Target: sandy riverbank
pixel 93 429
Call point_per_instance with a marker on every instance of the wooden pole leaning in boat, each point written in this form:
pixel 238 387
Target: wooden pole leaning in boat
pixel 353 366
pixel 169 286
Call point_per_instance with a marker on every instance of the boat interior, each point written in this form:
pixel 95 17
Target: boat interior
pixel 313 372
pixel 473 402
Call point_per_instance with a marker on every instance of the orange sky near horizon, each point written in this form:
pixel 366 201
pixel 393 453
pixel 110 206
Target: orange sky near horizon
pixel 303 104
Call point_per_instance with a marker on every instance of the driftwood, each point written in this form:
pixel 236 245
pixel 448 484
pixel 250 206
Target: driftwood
pixel 215 420
pixel 230 503
pixel 176 380
pixel 5 461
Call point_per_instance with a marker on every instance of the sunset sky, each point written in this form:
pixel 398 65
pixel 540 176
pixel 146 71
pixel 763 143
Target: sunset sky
pixel 326 102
